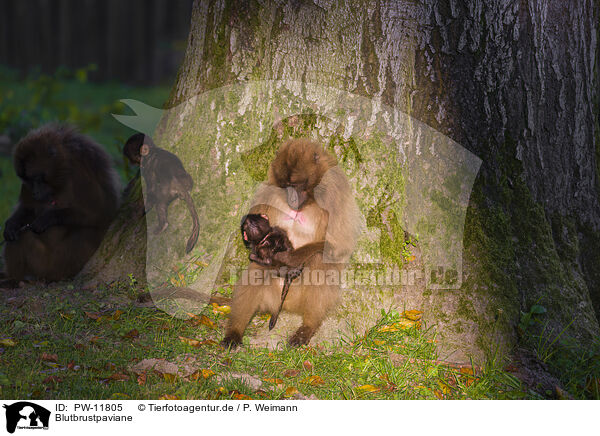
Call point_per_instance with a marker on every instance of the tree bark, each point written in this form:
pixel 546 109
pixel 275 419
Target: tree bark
pixel 514 82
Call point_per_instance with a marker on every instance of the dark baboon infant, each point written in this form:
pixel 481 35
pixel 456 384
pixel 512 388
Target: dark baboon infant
pixel 69 196
pixel 166 180
pixel 270 246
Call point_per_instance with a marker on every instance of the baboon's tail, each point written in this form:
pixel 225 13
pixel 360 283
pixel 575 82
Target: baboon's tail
pixel 191 243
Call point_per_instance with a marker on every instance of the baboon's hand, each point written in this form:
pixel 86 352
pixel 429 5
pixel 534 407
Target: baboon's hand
pixel 11 231
pixel 39 225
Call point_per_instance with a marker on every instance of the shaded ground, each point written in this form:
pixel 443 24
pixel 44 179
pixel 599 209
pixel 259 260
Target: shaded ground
pixel 64 342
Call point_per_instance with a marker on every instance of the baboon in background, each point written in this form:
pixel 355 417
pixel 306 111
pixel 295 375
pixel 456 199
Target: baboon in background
pixel 69 196
pixel 308 196
pixel 166 180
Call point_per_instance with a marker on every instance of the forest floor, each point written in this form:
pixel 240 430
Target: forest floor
pixel 66 342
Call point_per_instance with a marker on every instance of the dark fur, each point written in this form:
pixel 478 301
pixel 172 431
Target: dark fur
pixel 166 180
pixel 309 198
pixel 69 196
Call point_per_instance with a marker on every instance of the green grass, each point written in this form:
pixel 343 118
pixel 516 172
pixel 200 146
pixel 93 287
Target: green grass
pixel 94 357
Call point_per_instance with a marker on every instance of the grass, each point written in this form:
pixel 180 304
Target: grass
pixel 67 343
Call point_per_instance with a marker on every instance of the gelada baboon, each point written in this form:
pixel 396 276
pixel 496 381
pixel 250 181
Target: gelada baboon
pixel 166 180
pixel 69 196
pixel 308 196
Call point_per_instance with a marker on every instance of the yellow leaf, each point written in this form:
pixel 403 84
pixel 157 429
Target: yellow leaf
pixel 275 381
pixel 208 342
pixel 190 342
pixel 220 309
pixel 200 263
pixel 65 315
pixel 444 387
pixel 203 319
pixel 413 315
pixel 314 380
pixel 238 396
pixel 170 378
pixel 400 325
pixel 168 397
pixel 466 370
pixel 405 324
pixel 116 315
pixel 119 396
pixel 438 394
pixel 8 342
pixel 368 388
pixel 291 391
pixel 206 373
pixel 378 342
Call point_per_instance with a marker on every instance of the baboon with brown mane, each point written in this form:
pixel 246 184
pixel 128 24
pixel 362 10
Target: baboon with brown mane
pixel 308 196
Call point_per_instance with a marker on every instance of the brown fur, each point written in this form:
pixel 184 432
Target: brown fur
pixel 166 180
pixel 324 238
pixel 69 196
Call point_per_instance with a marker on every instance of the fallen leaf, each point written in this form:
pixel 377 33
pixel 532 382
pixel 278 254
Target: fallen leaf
pixel 438 394
pixel 119 396
pixel 397 326
pixel 314 380
pixel 51 380
pixel 202 374
pixel 92 315
pixel 238 396
pixel 65 315
pixel 378 342
pixel 8 342
pixel 50 357
pixel 291 373
pixel 413 315
pixel 141 380
pixel 220 309
pixel 95 339
pixel 169 378
pixel 307 365
pixel 168 397
pixel 190 342
pixel 110 366
pixel 119 377
pixel 467 370
pixel 368 388
pixel 275 381
pixel 208 342
pixel 291 391
pixel 444 387
pixel 131 334
pixel 196 320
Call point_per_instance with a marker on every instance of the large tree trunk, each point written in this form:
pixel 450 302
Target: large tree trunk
pixel 515 83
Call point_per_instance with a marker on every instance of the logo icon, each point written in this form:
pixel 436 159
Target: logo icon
pixel 26 415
